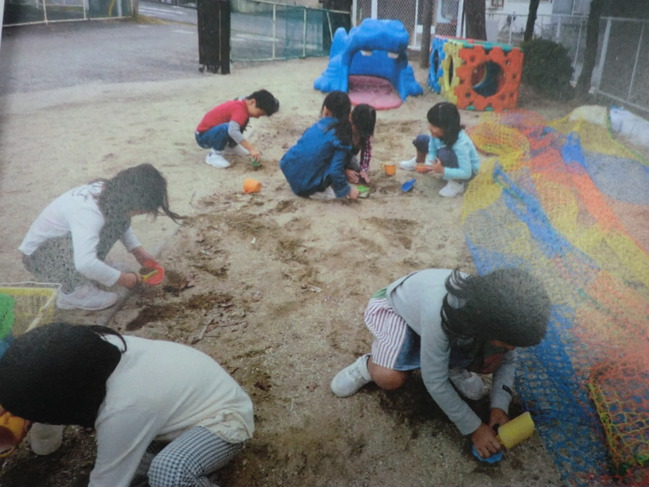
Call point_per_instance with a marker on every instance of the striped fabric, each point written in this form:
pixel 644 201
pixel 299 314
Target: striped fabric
pixel 390 333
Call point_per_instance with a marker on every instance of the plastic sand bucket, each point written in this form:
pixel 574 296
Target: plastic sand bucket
pixel 154 274
pixel 12 431
pixel 389 168
pixel 516 431
pixel 251 186
pixel 45 438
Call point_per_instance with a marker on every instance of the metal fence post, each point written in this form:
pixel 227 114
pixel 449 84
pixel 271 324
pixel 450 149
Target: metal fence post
pixel 581 25
pixel 304 35
pixel 602 57
pixel 274 29
pixel 635 65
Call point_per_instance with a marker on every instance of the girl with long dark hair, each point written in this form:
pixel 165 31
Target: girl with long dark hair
pixel 315 166
pixel 70 239
pixel 448 152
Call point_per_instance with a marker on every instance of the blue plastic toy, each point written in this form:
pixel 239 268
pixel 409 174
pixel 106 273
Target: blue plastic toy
pixel 495 458
pixel 374 48
pixel 408 185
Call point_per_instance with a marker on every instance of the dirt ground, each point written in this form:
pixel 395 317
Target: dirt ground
pixel 270 285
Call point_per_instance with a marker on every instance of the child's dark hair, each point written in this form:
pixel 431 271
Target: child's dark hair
pixel 446 116
pixel 57 373
pixel 141 188
pixel 265 100
pixel 364 118
pixel 339 104
pixel 509 305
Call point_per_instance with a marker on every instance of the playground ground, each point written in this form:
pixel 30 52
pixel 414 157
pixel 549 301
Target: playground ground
pixel 271 285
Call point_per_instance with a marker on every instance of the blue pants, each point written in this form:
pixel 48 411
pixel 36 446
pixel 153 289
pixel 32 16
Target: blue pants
pixel 215 138
pixel 446 156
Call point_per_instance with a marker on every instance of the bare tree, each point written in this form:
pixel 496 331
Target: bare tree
pixel 531 20
pixel 475 15
pixel 590 53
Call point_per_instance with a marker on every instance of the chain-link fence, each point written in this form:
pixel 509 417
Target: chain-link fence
pixel 622 66
pixel 622 72
pixel 410 13
pixel 264 30
pixel 20 12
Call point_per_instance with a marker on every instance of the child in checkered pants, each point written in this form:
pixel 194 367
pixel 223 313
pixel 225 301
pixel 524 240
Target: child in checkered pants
pixel 164 414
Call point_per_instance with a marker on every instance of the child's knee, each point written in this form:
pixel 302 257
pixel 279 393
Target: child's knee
pixel 421 143
pixel 448 158
pixel 169 471
pixel 387 379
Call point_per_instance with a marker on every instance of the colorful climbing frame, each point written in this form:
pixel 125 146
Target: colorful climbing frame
pixel 476 75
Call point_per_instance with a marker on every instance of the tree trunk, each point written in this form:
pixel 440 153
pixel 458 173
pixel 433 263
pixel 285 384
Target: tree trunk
pixel 531 20
pixel 590 53
pixel 475 19
pixel 426 22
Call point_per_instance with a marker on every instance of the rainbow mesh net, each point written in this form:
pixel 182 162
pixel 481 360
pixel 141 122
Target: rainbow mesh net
pixel 570 204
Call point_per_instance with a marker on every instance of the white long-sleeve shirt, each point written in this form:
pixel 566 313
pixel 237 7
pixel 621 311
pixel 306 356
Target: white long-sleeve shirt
pixel 76 212
pixel 159 390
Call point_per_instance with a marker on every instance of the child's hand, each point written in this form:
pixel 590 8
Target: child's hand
pixel 353 193
pixel 485 441
pixel 497 417
pixel 364 176
pixel 437 167
pixel 142 256
pixel 352 176
pixel 255 154
pixel 129 279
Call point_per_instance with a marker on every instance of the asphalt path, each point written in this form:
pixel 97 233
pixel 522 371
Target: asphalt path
pixel 65 54
pixel 162 44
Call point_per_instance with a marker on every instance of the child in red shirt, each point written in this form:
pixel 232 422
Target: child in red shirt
pixel 221 129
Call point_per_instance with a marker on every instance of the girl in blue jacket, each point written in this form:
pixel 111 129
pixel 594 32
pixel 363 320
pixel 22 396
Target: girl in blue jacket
pixel 315 166
pixel 448 152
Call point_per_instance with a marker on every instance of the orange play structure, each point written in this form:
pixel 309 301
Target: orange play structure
pixel 476 75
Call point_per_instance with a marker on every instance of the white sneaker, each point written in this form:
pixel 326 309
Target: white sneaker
pixel 215 159
pixel 452 188
pixel 348 381
pixel 470 385
pixel 86 297
pixel 409 165
pixel 326 195
pixel 237 150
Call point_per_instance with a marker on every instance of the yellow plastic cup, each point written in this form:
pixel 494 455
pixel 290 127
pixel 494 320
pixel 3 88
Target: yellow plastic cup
pixel 516 431
pixel 390 168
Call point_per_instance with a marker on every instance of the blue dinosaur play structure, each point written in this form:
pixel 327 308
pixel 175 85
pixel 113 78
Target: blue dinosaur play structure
pixel 376 48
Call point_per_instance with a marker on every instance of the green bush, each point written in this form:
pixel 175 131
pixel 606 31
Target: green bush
pixel 547 68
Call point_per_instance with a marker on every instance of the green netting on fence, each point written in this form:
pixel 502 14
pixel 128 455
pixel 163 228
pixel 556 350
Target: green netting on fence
pixel 264 31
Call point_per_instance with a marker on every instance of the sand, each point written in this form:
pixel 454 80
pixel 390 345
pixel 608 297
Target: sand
pixel 270 285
